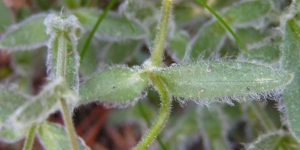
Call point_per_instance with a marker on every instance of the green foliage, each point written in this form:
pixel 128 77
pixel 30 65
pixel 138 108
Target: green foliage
pixel 291 62
pixel 277 140
pixel 115 85
pixel 55 137
pixel 189 33
pixel 38 108
pixel 206 79
pixel 247 11
pixel 113 26
pixel 29 34
pixel 6 18
pixel 11 100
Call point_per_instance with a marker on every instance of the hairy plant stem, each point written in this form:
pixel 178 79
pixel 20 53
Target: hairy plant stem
pixel 69 124
pixel 146 118
pixel 30 138
pixel 158 50
pixel 163 115
pixel 61 72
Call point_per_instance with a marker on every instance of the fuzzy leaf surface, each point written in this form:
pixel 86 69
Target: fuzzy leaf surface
pixel 6 17
pixel 219 79
pixel 38 108
pixel 9 102
pixel 266 52
pixel 247 11
pixel 29 34
pixel 278 140
pixel 120 52
pixel 291 61
pixel 208 40
pixel 113 25
pixel 8 134
pixel 178 43
pixel 62 48
pixel 115 85
pixel 212 125
pixel 90 61
pixel 55 137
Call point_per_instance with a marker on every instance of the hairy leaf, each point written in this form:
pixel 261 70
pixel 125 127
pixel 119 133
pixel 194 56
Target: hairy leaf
pixel 9 102
pixel 266 52
pixel 120 52
pixel 117 85
pixel 182 133
pixel 38 108
pixel 8 134
pixel 90 61
pixel 247 11
pixel 6 17
pixel 114 26
pixel 219 79
pixel 278 140
pixel 252 35
pixel 291 61
pixel 29 34
pixel 63 58
pixel 208 39
pixel 55 137
pixel 212 126
pixel 178 44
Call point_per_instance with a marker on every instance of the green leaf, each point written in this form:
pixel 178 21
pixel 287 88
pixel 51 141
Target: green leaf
pixel 113 25
pixel 120 86
pixel 120 52
pixel 29 34
pixel 89 64
pixel 183 132
pixel 247 11
pixel 55 137
pixel 8 135
pixel 9 102
pixel 251 35
pixel 278 140
pixel 266 52
pixel 178 44
pixel 212 126
pixel 186 11
pixel 63 58
pixel 142 10
pixel 290 62
pixel 207 40
pixel 39 107
pixel 6 17
pixel 213 79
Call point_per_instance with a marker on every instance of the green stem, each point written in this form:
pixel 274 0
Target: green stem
pixel 158 50
pixel 69 124
pixel 30 138
pixel 163 115
pixel 130 25
pixel 146 118
pixel 89 39
pixel 225 25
